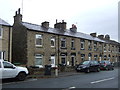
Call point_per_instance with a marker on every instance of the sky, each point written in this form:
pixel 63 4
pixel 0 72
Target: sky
pixel 100 16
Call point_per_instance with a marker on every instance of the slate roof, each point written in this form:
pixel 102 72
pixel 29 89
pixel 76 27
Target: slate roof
pixel 112 42
pixel 2 22
pixel 67 32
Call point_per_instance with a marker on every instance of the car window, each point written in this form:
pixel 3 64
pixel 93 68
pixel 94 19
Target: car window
pixel 85 62
pixel 92 63
pixel 7 65
pixel 0 64
pixel 95 62
pixel 102 62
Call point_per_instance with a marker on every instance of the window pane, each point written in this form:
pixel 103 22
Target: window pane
pixel 72 43
pixel 52 41
pixel 5 64
pixel 38 39
pixel 63 42
pixel 38 59
pixel 82 44
pixel 63 60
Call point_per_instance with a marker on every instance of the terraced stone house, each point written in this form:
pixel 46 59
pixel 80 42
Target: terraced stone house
pixel 5 40
pixel 40 45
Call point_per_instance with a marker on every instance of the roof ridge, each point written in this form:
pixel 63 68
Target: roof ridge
pixel 31 23
pixel 3 22
pixel 82 35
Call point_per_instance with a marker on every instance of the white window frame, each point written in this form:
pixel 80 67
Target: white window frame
pixel 82 57
pixel 40 36
pixel 64 40
pixel 73 43
pixel 82 43
pixel 39 56
pixel 53 39
pixel 1 30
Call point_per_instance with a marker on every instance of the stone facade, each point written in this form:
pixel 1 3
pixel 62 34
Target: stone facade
pixel 67 49
pixel 5 41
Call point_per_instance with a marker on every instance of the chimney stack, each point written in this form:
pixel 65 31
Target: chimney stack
pixel 45 24
pixel 18 17
pixel 101 36
pixel 93 34
pixel 74 28
pixel 107 37
pixel 60 25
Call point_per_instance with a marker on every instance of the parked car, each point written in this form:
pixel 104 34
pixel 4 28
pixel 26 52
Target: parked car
pixel 9 70
pixel 88 66
pixel 106 65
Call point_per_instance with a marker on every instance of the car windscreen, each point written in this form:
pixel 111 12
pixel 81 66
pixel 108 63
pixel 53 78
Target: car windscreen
pixel 102 62
pixel 85 63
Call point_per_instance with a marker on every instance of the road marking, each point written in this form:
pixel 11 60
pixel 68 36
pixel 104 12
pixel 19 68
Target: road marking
pixel 72 87
pixel 69 88
pixel 19 81
pixel 102 80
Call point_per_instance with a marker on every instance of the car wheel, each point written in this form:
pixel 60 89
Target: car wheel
pixel 88 70
pixel 21 76
pixel 107 68
pixel 112 68
pixel 98 69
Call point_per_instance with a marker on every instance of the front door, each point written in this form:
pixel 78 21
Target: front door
pixel 53 61
pixel 73 60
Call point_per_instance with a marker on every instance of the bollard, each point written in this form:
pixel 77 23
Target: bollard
pixel 56 71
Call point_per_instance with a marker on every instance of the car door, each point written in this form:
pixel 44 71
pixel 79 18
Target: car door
pixel 91 66
pixel 9 70
pixel 96 65
pixel 0 70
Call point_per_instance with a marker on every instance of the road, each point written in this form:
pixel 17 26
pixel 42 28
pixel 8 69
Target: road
pixel 102 79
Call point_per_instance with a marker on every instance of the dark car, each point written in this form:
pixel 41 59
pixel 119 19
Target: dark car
pixel 88 66
pixel 106 65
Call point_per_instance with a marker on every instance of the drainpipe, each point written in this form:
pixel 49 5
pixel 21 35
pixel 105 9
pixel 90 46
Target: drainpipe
pixel 58 49
pixel 9 45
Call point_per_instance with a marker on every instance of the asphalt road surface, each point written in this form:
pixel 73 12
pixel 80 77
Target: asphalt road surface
pixel 102 79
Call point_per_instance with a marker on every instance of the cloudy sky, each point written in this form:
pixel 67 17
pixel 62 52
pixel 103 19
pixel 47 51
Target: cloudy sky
pixel 100 16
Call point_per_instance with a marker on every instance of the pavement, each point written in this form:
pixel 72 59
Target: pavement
pixel 60 74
